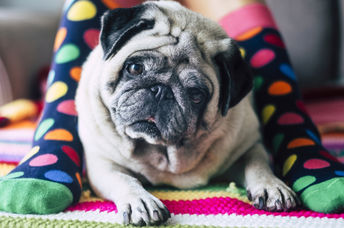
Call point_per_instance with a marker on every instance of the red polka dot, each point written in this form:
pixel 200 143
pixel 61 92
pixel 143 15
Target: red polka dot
pixel 290 118
pixel 301 106
pixel 91 37
pixel 316 164
pixel 328 156
pixel 274 40
pixel 67 107
pixel 262 58
pixel 72 154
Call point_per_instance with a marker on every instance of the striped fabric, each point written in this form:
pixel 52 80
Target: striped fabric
pixel 221 205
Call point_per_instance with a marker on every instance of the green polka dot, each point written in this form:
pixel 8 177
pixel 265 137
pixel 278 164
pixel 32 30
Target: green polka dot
pixel 258 82
pixel 13 175
pixel 67 53
pixel 43 128
pixel 325 197
pixel 303 182
pixel 276 142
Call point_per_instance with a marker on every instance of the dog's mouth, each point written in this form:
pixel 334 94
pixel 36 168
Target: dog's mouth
pixel 146 127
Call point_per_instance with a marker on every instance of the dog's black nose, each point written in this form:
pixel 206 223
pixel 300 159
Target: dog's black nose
pixel 162 92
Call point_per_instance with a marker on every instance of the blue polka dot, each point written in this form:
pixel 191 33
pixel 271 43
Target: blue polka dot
pixel 58 176
pixel 313 136
pixel 288 71
pixel 339 173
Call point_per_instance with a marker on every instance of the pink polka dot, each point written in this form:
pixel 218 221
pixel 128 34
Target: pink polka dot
pixel 91 37
pixel 72 154
pixel 43 160
pixel 262 57
pixel 274 40
pixel 67 107
pixel 290 118
pixel 316 164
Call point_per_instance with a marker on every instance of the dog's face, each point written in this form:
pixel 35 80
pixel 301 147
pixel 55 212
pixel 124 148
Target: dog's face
pixel 164 94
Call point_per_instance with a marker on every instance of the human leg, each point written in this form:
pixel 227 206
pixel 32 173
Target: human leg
pixel 48 179
pixel 288 130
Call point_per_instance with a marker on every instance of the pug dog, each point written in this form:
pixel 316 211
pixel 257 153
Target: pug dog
pixel 165 99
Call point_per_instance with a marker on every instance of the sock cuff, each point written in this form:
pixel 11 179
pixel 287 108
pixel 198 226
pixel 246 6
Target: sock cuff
pixel 246 18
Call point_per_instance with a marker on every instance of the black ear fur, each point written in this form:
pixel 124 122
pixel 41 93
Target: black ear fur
pixel 235 78
pixel 119 25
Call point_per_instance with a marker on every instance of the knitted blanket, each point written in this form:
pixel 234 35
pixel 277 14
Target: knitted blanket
pixel 216 205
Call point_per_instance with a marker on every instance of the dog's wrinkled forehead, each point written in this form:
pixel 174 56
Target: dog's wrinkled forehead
pixel 155 24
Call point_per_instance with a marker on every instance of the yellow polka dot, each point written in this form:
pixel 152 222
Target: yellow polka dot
pixel 56 91
pixel 267 112
pixel 249 34
pixel 242 52
pixel 299 142
pixel 59 135
pixel 33 151
pixel 82 10
pixel 288 164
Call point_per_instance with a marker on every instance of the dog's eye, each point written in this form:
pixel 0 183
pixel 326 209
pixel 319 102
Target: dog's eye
pixel 135 69
pixel 196 95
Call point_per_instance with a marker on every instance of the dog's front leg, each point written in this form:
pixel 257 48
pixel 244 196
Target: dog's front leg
pixel 134 204
pixel 263 187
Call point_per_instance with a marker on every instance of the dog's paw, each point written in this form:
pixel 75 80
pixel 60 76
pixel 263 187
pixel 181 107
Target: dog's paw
pixel 142 209
pixel 272 195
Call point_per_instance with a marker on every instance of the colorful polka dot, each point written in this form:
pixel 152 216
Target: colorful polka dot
pixel 249 34
pixel 75 73
pixel 262 58
pixel 110 4
pixel 328 156
pixel 276 141
pixel 288 164
pixel 43 160
pixel 274 40
pixel 81 10
pixel 339 173
pixel 58 176
pixel 301 106
pixel 290 118
pixel 303 182
pixel 258 82
pixel 316 164
pixel 56 91
pixel 67 53
pixel 77 175
pixel 91 37
pixel 67 107
pixel 267 112
pixel 300 142
pixel 59 135
pixel 242 52
pixel 72 154
pixel 34 150
pixel 313 136
pixel 13 175
pixel 44 126
pixel 51 77
pixel 60 37
pixel 279 88
pixel 287 71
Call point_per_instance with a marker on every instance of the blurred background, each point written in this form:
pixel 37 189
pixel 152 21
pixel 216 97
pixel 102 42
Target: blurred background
pixel 313 31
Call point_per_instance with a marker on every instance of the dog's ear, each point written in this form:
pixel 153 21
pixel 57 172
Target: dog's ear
pixel 235 78
pixel 119 25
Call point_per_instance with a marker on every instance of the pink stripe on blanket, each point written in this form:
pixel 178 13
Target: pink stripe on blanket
pixel 209 206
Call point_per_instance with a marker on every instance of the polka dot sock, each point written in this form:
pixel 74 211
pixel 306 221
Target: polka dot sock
pixel 48 178
pixel 289 133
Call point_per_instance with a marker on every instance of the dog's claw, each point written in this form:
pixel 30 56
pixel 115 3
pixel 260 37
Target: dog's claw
pixel 125 218
pixel 261 203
